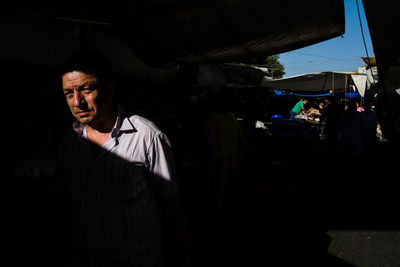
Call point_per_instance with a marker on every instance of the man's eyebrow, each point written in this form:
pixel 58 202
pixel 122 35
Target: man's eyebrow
pixel 87 83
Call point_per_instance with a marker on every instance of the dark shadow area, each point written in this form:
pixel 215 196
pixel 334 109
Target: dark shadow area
pixel 91 213
pixel 289 189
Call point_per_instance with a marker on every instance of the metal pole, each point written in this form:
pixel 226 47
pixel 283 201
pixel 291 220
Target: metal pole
pixel 345 90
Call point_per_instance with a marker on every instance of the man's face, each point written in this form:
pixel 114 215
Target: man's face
pixel 85 98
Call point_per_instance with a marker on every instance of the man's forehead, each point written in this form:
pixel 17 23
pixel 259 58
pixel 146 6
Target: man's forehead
pixel 76 78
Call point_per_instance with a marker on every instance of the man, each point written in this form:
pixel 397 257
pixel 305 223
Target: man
pixel 118 176
pixel 298 108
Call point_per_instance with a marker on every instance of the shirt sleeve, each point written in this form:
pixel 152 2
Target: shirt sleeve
pixel 162 167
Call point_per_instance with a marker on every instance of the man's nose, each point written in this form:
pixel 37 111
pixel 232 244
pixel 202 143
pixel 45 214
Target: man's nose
pixel 78 99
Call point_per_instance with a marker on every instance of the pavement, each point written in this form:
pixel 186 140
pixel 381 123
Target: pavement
pixel 366 247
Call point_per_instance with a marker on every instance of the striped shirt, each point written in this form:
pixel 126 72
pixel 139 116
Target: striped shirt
pixel 113 193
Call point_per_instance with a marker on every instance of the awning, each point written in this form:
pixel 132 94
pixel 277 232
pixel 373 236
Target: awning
pixel 312 82
pixel 154 34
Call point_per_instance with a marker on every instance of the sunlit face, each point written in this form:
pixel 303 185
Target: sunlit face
pixel 85 98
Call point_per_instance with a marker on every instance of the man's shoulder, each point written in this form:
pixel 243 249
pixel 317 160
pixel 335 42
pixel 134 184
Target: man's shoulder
pixel 147 129
pixel 143 124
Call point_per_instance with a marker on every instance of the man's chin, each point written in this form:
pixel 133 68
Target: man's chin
pixel 84 120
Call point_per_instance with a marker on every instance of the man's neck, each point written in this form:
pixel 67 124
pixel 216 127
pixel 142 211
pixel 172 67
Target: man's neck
pixel 98 136
pixel 101 128
pixel 99 132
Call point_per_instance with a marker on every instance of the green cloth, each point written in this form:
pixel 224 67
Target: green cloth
pixel 297 108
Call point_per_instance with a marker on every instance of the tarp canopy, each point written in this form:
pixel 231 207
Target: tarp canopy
pixel 372 74
pixel 360 82
pixel 144 35
pixel 234 75
pixel 312 82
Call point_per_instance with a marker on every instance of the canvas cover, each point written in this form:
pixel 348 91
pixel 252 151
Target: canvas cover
pixel 311 82
pixel 360 82
pixel 144 36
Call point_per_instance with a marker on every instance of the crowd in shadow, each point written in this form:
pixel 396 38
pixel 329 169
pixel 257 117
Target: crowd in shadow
pixel 251 196
pixel 277 195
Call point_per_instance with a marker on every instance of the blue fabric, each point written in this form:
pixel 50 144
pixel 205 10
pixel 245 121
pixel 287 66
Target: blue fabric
pixel 276 116
pixel 280 93
pixel 353 95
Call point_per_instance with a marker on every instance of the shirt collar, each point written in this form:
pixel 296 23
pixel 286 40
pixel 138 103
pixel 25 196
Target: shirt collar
pixel 122 125
pixel 79 128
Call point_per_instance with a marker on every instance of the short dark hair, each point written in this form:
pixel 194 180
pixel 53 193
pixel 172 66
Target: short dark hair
pixel 90 63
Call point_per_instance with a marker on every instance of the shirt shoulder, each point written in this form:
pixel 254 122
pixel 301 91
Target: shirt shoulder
pixel 144 125
pixel 148 130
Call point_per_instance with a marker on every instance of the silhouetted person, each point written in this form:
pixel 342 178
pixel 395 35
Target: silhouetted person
pixel 322 117
pixel 350 133
pixel 116 178
pixel 359 107
pixel 333 112
pixel 370 123
pixel 224 133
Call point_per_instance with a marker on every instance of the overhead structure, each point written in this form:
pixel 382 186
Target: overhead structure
pixel 229 74
pixel 321 82
pixel 384 28
pixel 311 82
pixel 144 37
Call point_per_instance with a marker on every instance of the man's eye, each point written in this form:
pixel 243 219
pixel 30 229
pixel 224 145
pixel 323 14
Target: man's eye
pixel 87 90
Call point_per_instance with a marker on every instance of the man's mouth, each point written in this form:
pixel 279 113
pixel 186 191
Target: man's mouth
pixel 82 113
